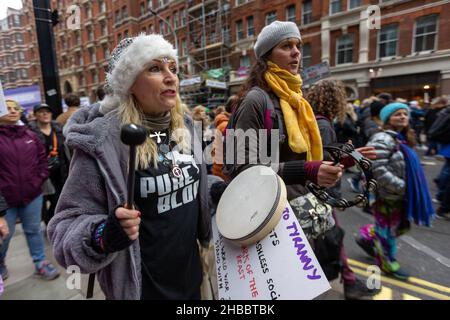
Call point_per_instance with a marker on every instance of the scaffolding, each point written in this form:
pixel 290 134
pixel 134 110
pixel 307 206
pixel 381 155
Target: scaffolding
pixel 209 38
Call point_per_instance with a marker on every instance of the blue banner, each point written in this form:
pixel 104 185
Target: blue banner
pixel 27 97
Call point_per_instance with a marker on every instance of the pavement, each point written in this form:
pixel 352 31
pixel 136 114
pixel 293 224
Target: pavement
pixel 424 252
pixel 21 285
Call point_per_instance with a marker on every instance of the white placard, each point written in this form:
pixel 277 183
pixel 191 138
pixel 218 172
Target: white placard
pixel 3 108
pixel 282 266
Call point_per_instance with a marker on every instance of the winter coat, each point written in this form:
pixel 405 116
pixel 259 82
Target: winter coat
pixel 95 187
pixel 65 116
pixel 220 122
pixel 389 166
pixel 56 127
pixel 346 131
pixel 23 165
pixel 250 114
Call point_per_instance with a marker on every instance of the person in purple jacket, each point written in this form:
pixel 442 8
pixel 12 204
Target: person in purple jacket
pixel 23 170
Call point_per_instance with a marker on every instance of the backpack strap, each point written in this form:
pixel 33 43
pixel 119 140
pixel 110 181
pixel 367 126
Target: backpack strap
pixel 272 114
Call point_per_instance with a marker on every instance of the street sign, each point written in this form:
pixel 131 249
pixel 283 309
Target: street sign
pixel 215 84
pixel 3 108
pixel 191 81
pixel 315 73
pixel 282 266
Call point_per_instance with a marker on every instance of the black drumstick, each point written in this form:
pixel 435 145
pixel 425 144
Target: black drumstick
pixel 132 135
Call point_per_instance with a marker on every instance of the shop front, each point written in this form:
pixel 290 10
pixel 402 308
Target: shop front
pixel 420 87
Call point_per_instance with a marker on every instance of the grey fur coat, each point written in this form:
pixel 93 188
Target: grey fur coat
pixel 96 186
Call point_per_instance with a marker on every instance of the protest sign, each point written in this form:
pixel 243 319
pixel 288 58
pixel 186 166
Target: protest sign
pixel 282 266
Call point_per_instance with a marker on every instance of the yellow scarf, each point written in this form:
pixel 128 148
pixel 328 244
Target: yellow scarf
pixel 301 124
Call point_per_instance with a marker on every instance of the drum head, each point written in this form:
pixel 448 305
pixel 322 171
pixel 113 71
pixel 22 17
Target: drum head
pixel 251 205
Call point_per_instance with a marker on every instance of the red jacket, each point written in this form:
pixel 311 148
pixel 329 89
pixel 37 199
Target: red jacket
pixel 23 165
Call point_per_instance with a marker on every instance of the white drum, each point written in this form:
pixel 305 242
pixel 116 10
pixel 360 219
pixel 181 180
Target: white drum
pixel 251 205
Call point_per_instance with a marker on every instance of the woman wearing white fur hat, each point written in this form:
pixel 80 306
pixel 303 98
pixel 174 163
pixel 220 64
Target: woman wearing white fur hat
pixel 151 252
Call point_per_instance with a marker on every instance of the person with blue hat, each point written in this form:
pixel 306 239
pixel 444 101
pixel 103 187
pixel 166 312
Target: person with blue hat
pixel 402 193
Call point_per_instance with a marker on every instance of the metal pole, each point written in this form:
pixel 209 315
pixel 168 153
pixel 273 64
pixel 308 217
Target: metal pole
pixel 49 67
pixel 170 28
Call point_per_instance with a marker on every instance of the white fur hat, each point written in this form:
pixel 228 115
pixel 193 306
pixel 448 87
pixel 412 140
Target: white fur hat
pixel 127 60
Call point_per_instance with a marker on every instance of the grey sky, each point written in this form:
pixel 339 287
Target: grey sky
pixel 16 4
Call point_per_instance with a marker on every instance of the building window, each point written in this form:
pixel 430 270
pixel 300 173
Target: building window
pixel 306 55
pixel 125 34
pixel 16 21
pixel 354 4
pixel 250 27
pixel 240 2
pixel 151 29
pixel 12 77
pixel 88 11
pixel 271 17
pixel 290 13
pixel 90 34
pixel 104 29
pixel 175 19
pixel 102 6
pixel 81 80
pixel 161 27
pixel 387 41
pixel 7 43
pixel 226 34
pixel 142 8
pixel 21 56
pixel 19 38
pixel 150 4
pixel 92 55
pixel 124 12
pixel 183 17
pixel 239 32
pixel 105 52
pixel 183 47
pixel 117 16
pixel 344 49
pixel 244 61
pixel 335 6
pixel 162 3
pixel 80 60
pixel 425 33
pixel 94 76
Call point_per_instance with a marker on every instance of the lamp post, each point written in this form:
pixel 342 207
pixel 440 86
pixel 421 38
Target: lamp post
pixel 170 27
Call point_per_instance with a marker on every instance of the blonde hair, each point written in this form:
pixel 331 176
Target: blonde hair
pixel 15 103
pixel 130 112
pixel 350 110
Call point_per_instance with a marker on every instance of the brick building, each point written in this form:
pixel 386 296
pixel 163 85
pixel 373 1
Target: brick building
pixel 215 40
pixel 17 64
pixel 82 52
pixel 410 52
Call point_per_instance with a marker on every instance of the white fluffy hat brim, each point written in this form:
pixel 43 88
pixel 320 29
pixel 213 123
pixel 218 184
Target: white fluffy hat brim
pixel 132 61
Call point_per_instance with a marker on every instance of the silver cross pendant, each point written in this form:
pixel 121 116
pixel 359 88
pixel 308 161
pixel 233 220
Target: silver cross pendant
pixel 158 136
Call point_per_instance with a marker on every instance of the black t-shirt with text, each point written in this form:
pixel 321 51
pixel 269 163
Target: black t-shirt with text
pixel 171 267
